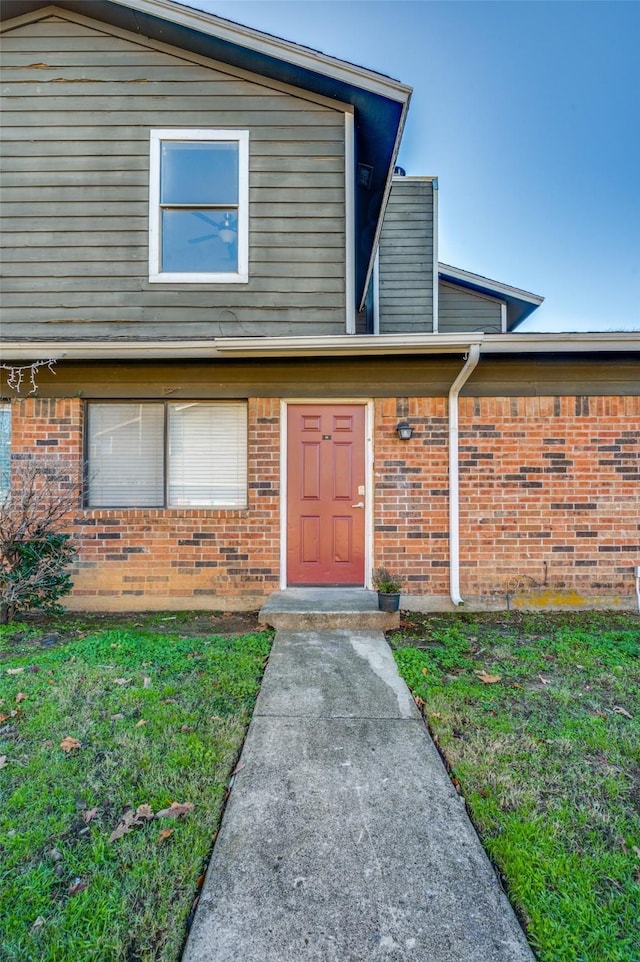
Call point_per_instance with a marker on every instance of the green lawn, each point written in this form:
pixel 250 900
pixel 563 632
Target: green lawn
pixel 538 719
pixel 157 718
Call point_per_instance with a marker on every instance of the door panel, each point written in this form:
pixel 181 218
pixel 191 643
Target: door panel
pixel 325 512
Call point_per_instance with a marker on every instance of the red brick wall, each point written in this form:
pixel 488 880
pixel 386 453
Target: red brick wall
pixel 168 557
pixel 549 507
pixel 549 497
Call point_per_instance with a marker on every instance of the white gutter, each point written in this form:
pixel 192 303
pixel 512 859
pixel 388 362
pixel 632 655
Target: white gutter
pixel 454 474
pixel 334 345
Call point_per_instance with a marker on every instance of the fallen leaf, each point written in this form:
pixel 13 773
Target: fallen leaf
pixel 425 671
pixel 68 744
pixel 115 646
pixel 622 711
pixel 21 696
pixel 3 761
pixel 545 681
pixel 175 810
pixel 164 835
pixel 14 671
pixel 33 669
pixel 90 814
pixel 121 681
pixel 238 768
pixel 117 716
pixel 37 925
pixel 130 820
pixel 78 886
pixel 517 684
pixel 487 679
pixel 186 728
pixel 146 682
pixel 4 718
pixel 419 701
pixel 200 881
pixel 125 826
pixel 143 721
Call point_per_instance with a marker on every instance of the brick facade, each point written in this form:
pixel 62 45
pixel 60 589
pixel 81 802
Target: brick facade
pixel 549 498
pixel 164 558
pixel 549 508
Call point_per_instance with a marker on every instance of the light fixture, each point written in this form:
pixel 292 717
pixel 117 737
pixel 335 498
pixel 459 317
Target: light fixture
pixel 227 234
pixel 404 430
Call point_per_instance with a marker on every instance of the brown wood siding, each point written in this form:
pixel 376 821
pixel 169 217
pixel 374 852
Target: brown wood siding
pixel 78 104
pixel 405 267
pixel 462 310
pixel 429 376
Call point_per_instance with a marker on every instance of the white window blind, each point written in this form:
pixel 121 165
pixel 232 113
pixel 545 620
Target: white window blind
pixel 204 463
pixel 208 454
pixel 125 455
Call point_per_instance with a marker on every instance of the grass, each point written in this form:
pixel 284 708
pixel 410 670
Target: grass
pixel 532 716
pixel 159 718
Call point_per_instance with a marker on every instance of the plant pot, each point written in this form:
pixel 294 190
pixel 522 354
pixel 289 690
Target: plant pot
pixel 389 601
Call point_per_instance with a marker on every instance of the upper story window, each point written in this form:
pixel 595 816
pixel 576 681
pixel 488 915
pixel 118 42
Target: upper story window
pixel 199 207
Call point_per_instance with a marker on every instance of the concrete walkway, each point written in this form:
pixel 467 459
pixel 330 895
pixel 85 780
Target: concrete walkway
pixel 344 839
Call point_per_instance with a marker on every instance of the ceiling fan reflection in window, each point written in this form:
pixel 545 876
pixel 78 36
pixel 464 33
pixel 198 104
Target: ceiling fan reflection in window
pixel 226 229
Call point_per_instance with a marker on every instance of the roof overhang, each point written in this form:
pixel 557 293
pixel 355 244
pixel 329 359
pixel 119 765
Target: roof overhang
pixel 380 103
pixel 339 345
pixel 519 303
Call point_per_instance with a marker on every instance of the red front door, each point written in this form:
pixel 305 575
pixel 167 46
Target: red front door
pixel 325 498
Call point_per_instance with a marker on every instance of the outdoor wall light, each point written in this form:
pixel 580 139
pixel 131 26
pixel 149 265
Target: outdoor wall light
pixel 404 430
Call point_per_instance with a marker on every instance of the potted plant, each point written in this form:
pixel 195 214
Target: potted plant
pixel 388 587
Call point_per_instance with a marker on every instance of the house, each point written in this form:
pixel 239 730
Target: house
pixel 235 357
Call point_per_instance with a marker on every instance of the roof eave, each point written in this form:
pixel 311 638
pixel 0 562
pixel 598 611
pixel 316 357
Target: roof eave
pixel 339 345
pixel 520 303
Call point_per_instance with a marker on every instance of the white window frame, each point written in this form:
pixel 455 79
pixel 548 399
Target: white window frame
pixel 165 504
pixel 156 275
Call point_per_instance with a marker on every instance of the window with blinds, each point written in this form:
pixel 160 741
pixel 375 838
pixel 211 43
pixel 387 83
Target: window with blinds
pixel 157 454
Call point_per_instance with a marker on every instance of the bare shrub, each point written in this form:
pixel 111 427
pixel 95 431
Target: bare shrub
pixel 35 550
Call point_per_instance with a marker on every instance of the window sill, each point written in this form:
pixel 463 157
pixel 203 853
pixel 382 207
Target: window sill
pixel 198 278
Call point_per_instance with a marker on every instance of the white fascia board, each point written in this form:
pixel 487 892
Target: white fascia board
pixel 496 287
pixel 346 345
pixel 272 46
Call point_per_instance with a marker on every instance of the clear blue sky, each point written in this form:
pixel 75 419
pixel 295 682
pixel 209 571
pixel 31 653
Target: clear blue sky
pixel 529 113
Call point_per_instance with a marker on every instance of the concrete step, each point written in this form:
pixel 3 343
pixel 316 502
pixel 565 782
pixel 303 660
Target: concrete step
pixel 316 609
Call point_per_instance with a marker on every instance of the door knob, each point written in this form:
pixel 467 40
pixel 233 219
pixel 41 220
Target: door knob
pixel 360 504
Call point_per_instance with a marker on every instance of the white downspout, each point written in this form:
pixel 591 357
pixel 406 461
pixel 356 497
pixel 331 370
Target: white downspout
pixel 454 486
